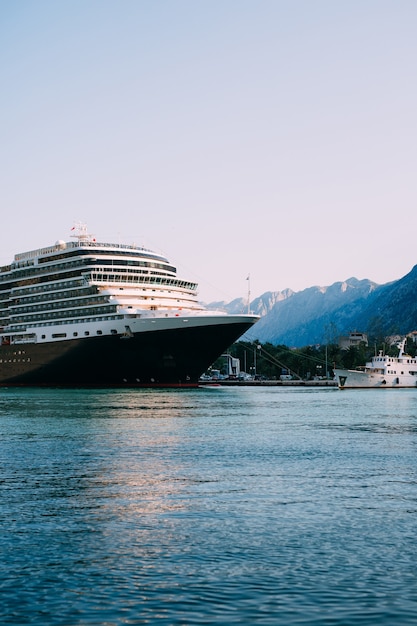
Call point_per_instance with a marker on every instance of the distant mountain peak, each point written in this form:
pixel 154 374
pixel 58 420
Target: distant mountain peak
pixel 314 314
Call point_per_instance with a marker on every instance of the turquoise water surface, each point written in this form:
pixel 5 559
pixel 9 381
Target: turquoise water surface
pixel 208 506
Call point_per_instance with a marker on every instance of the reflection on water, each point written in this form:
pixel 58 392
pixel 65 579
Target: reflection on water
pixel 255 506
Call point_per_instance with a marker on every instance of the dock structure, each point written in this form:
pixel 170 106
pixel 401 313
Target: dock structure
pixel 269 383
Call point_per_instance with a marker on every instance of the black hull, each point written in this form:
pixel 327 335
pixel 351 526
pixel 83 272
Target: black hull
pixel 174 357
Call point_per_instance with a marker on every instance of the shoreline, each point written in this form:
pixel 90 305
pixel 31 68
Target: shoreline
pixel 267 383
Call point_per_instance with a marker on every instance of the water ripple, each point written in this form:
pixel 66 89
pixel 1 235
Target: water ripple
pixel 251 506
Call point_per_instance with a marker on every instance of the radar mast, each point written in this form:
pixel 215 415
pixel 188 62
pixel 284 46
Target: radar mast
pixel 81 233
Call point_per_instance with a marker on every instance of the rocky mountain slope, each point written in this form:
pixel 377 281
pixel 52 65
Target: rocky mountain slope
pixel 321 314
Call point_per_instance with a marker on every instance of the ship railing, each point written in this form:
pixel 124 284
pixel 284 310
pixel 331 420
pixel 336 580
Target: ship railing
pixel 118 246
pixel 83 243
pixel 32 254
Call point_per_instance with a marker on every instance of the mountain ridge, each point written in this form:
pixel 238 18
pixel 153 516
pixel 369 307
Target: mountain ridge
pixel 318 315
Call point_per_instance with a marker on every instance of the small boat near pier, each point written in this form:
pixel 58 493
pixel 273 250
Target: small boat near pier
pixel 383 371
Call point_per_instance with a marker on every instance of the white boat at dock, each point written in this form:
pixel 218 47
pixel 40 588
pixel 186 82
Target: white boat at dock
pixel 383 371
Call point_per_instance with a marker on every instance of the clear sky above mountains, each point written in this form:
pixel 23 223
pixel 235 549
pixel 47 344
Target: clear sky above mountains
pixel 275 138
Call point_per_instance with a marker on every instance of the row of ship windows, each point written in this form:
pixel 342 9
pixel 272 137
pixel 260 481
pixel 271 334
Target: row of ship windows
pixel 64 296
pixel 11 320
pixel 64 314
pixel 38 283
pixel 20 314
pixel 36 270
pixel 91 260
pixel 88 262
pixel 56 295
pixel 42 280
pixel 59 290
pixel 75 321
pixel 75 334
pixel 13 328
pixel 68 284
pixel 132 278
pixel 63 305
pixel 27 360
pixel 60 304
pixel 87 333
pixel 388 360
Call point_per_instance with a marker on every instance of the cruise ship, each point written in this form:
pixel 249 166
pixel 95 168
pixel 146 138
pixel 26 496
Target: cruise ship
pixel 83 313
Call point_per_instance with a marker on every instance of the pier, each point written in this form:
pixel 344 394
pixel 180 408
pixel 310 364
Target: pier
pixel 268 383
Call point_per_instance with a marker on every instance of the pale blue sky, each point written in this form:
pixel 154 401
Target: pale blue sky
pixel 276 138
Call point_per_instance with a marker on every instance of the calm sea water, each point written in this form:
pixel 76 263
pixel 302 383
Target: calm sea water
pixel 229 506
